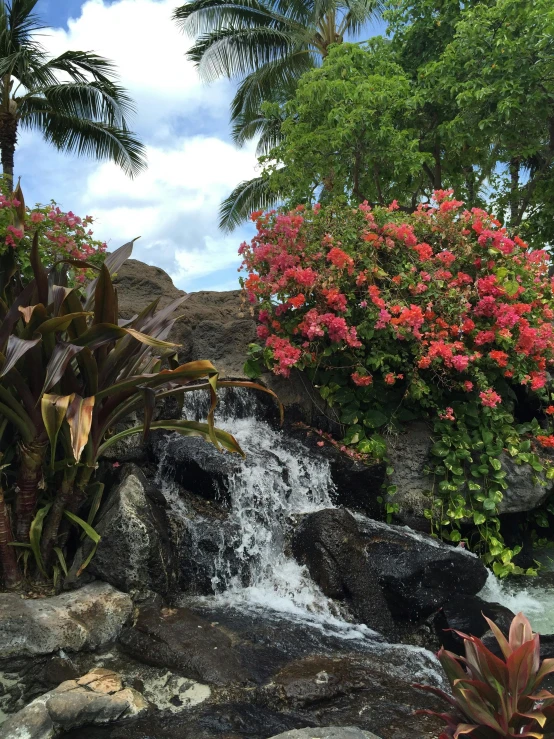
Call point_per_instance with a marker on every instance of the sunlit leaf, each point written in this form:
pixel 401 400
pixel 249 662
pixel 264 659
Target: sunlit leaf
pixel 53 409
pixel 16 349
pixel 79 418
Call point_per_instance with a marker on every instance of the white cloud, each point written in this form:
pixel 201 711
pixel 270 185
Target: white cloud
pixel 192 165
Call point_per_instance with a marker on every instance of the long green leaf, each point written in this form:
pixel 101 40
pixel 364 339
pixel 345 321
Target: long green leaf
pixel 61 559
pixel 104 333
pixel 185 428
pixel 96 491
pixel 90 532
pixel 60 323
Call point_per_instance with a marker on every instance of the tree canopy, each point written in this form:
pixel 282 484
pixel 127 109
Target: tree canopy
pixel 457 97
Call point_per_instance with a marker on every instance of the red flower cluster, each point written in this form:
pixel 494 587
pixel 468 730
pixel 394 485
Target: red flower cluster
pixel 444 300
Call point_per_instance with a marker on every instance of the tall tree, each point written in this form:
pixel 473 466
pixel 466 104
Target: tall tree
pixel 73 100
pixel 268 45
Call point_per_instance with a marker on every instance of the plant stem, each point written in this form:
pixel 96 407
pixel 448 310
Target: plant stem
pixel 52 523
pixel 8 557
pixel 29 479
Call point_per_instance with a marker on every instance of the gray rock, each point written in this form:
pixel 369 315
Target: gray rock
pixel 409 455
pixel 96 698
pixel 366 563
pixel 330 732
pixel 85 619
pixel 135 552
pixel 524 492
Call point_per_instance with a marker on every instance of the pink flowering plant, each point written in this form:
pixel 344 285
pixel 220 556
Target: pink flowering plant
pixel 439 314
pixel 60 236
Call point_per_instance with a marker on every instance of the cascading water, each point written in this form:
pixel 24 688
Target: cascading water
pixel 279 479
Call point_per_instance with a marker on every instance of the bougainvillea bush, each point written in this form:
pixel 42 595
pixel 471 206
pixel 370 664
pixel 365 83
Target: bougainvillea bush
pixel 60 236
pixel 437 314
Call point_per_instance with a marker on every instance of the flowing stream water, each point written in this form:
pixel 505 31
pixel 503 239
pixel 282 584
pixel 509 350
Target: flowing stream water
pixel 279 480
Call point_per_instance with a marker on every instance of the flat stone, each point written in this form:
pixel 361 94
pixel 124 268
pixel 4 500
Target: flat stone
pixel 73 704
pixel 330 732
pixel 79 620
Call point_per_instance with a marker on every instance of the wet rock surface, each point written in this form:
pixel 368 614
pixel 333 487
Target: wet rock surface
pixel 331 732
pixel 466 614
pixel 366 562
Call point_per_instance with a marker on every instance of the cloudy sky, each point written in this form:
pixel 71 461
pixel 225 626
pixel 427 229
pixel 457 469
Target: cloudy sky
pixel 193 165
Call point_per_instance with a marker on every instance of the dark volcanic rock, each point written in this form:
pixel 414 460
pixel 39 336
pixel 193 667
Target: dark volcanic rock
pixel 330 544
pixel 354 558
pixel 183 641
pixel 135 553
pixel 466 613
pixel 223 721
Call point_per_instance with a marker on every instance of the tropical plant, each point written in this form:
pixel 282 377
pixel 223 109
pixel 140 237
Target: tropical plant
pixel 59 235
pixel 497 696
pixel 441 315
pixel 69 374
pixel 73 100
pixel 268 45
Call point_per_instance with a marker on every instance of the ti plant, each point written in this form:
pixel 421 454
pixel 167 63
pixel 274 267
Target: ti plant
pixel 497 697
pixel 69 374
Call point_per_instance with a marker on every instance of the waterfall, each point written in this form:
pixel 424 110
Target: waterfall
pixel 280 478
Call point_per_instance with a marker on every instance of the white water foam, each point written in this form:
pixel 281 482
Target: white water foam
pixel 531 596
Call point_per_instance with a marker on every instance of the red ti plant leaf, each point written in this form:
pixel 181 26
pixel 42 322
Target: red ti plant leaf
pixel 79 418
pixel 16 349
pixel 520 631
pixel 61 356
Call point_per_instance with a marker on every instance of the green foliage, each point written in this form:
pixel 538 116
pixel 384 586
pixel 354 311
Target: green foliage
pixel 458 97
pixel 497 697
pixel 69 374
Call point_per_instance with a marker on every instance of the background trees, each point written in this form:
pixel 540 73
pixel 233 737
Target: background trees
pixel 457 98
pixel 73 100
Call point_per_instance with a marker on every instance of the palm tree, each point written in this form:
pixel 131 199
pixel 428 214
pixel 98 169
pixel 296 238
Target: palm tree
pixel 268 45
pixel 74 99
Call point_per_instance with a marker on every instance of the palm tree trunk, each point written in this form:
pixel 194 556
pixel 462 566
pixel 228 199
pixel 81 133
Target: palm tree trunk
pixel 29 479
pixel 8 557
pixel 8 131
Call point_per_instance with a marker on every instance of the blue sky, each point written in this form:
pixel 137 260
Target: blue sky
pixel 193 165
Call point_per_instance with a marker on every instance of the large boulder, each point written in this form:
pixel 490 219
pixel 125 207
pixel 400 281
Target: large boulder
pixel 135 553
pixel 368 563
pixel 213 325
pixel 85 619
pixel 98 697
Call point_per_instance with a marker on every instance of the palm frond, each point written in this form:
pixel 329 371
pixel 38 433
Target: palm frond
pixel 229 53
pixel 250 195
pixel 275 81
pixel 268 128
pixel 85 137
pixel 203 16
pixel 94 100
pixel 82 65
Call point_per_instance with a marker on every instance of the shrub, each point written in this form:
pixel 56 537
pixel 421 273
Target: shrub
pixel 436 314
pixel 68 375
pixel 60 236
pixel 497 697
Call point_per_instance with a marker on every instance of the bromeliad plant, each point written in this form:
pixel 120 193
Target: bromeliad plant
pixel 497 697
pixel 438 314
pixel 69 374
